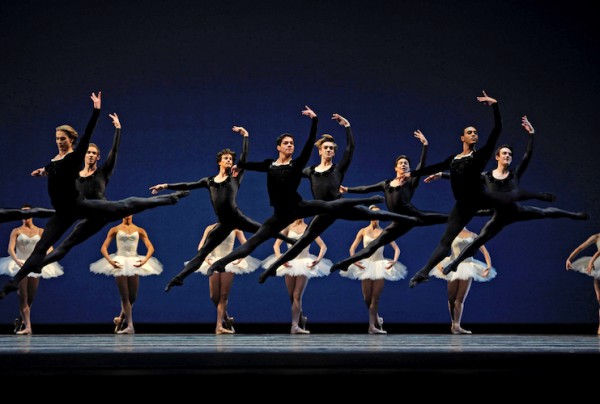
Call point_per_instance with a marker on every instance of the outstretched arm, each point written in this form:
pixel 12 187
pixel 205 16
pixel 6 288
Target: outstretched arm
pixel 527 156
pixel 111 160
pixel 580 248
pixel 180 186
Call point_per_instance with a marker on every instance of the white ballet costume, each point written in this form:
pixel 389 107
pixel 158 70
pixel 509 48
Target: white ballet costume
pixel 24 247
pixel 245 266
pixel 375 266
pixel 580 265
pixel 299 265
pixel 127 256
pixel 469 268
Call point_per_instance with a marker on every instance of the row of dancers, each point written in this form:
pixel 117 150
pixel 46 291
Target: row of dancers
pixel 78 197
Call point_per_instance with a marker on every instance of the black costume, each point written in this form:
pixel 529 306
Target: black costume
pixel 223 196
pixel 10 215
pixel 398 199
pixel 282 184
pixel 514 212
pixel 470 194
pixel 325 186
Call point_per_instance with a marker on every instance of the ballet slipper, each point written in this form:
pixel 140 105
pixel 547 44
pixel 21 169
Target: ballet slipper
pixel 128 330
pixel 458 330
pixel 221 331
pixel 375 330
pixel 25 331
pixel 176 281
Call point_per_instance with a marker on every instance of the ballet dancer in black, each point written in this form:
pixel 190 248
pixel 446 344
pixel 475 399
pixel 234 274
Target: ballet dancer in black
pixel 13 214
pixel 502 179
pixel 283 178
pixel 326 179
pixel 62 171
pixel 469 191
pixel 96 210
pixel 398 195
pixel 223 189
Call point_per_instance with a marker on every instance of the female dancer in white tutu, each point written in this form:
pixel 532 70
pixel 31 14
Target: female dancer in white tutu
pixel 127 266
pixel 459 281
pixel 374 271
pixel 21 243
pixel 220 282
pixel 298 271
pixel 588 265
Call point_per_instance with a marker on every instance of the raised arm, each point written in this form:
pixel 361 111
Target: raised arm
pixel 302 159
pixel 527 156
pixel 488 149
pixel 414 181
pixel 84 142
pixel 236 171
pixel 111 159
pixel 349 151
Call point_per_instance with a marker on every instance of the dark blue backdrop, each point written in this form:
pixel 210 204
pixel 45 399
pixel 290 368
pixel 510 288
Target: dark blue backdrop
pixel 181 73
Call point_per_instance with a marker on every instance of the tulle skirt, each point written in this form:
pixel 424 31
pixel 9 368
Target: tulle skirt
pixel 9 267
pixel 245 266
pixel 299 266
pixel 376 270
pixel 580 265
pixel 102 266
pixel 470 268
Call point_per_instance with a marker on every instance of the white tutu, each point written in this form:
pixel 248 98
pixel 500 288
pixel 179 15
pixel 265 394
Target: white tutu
pixel 580 265
pixel 9 267
pixel 24 247
pixel 375 267
pixel 299 266
pixel 245 266
pixel 469 268
pixel 128 257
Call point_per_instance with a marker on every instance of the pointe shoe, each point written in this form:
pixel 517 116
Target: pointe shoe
pixel 25 331
pixel 215 267
pixel 460 331
pixel 418 278
pixel 128 330
pixel 379 323
pixel 583 216
pixel 297 330
pixel 375 330
pixel 173 282
pixel 9 287
pixel 18 325
pixel 337 267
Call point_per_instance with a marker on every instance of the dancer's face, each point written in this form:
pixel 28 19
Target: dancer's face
pixel 504 156
pixel 286 147
pixel 327 150
pixel 92 156
pixel 402 166
pixel 226 161
pixel 63 141
pixel 469 136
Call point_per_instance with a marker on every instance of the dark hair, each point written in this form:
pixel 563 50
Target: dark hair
pixel 402 156
pixel 504 146
pixel 283 136
pixel 326 138
pixel 225 151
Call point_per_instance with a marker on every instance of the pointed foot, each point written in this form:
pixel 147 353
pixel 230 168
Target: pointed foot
pixel 418 278
pixel 174 282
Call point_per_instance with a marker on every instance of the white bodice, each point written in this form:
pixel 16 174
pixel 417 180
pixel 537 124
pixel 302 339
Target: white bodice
pixel 127 243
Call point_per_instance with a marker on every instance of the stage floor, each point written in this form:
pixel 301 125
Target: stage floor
pixel 314 354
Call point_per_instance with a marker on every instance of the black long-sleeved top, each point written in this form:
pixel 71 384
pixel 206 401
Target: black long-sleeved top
pixel 397 199
pixel 223 194
pixel 511 182
pixel 325 185
pixel 94 186
pixel 63 173
pixel 283 180
pixel 465 172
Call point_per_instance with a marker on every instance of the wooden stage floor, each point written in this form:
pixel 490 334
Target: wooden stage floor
pixel 414 355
